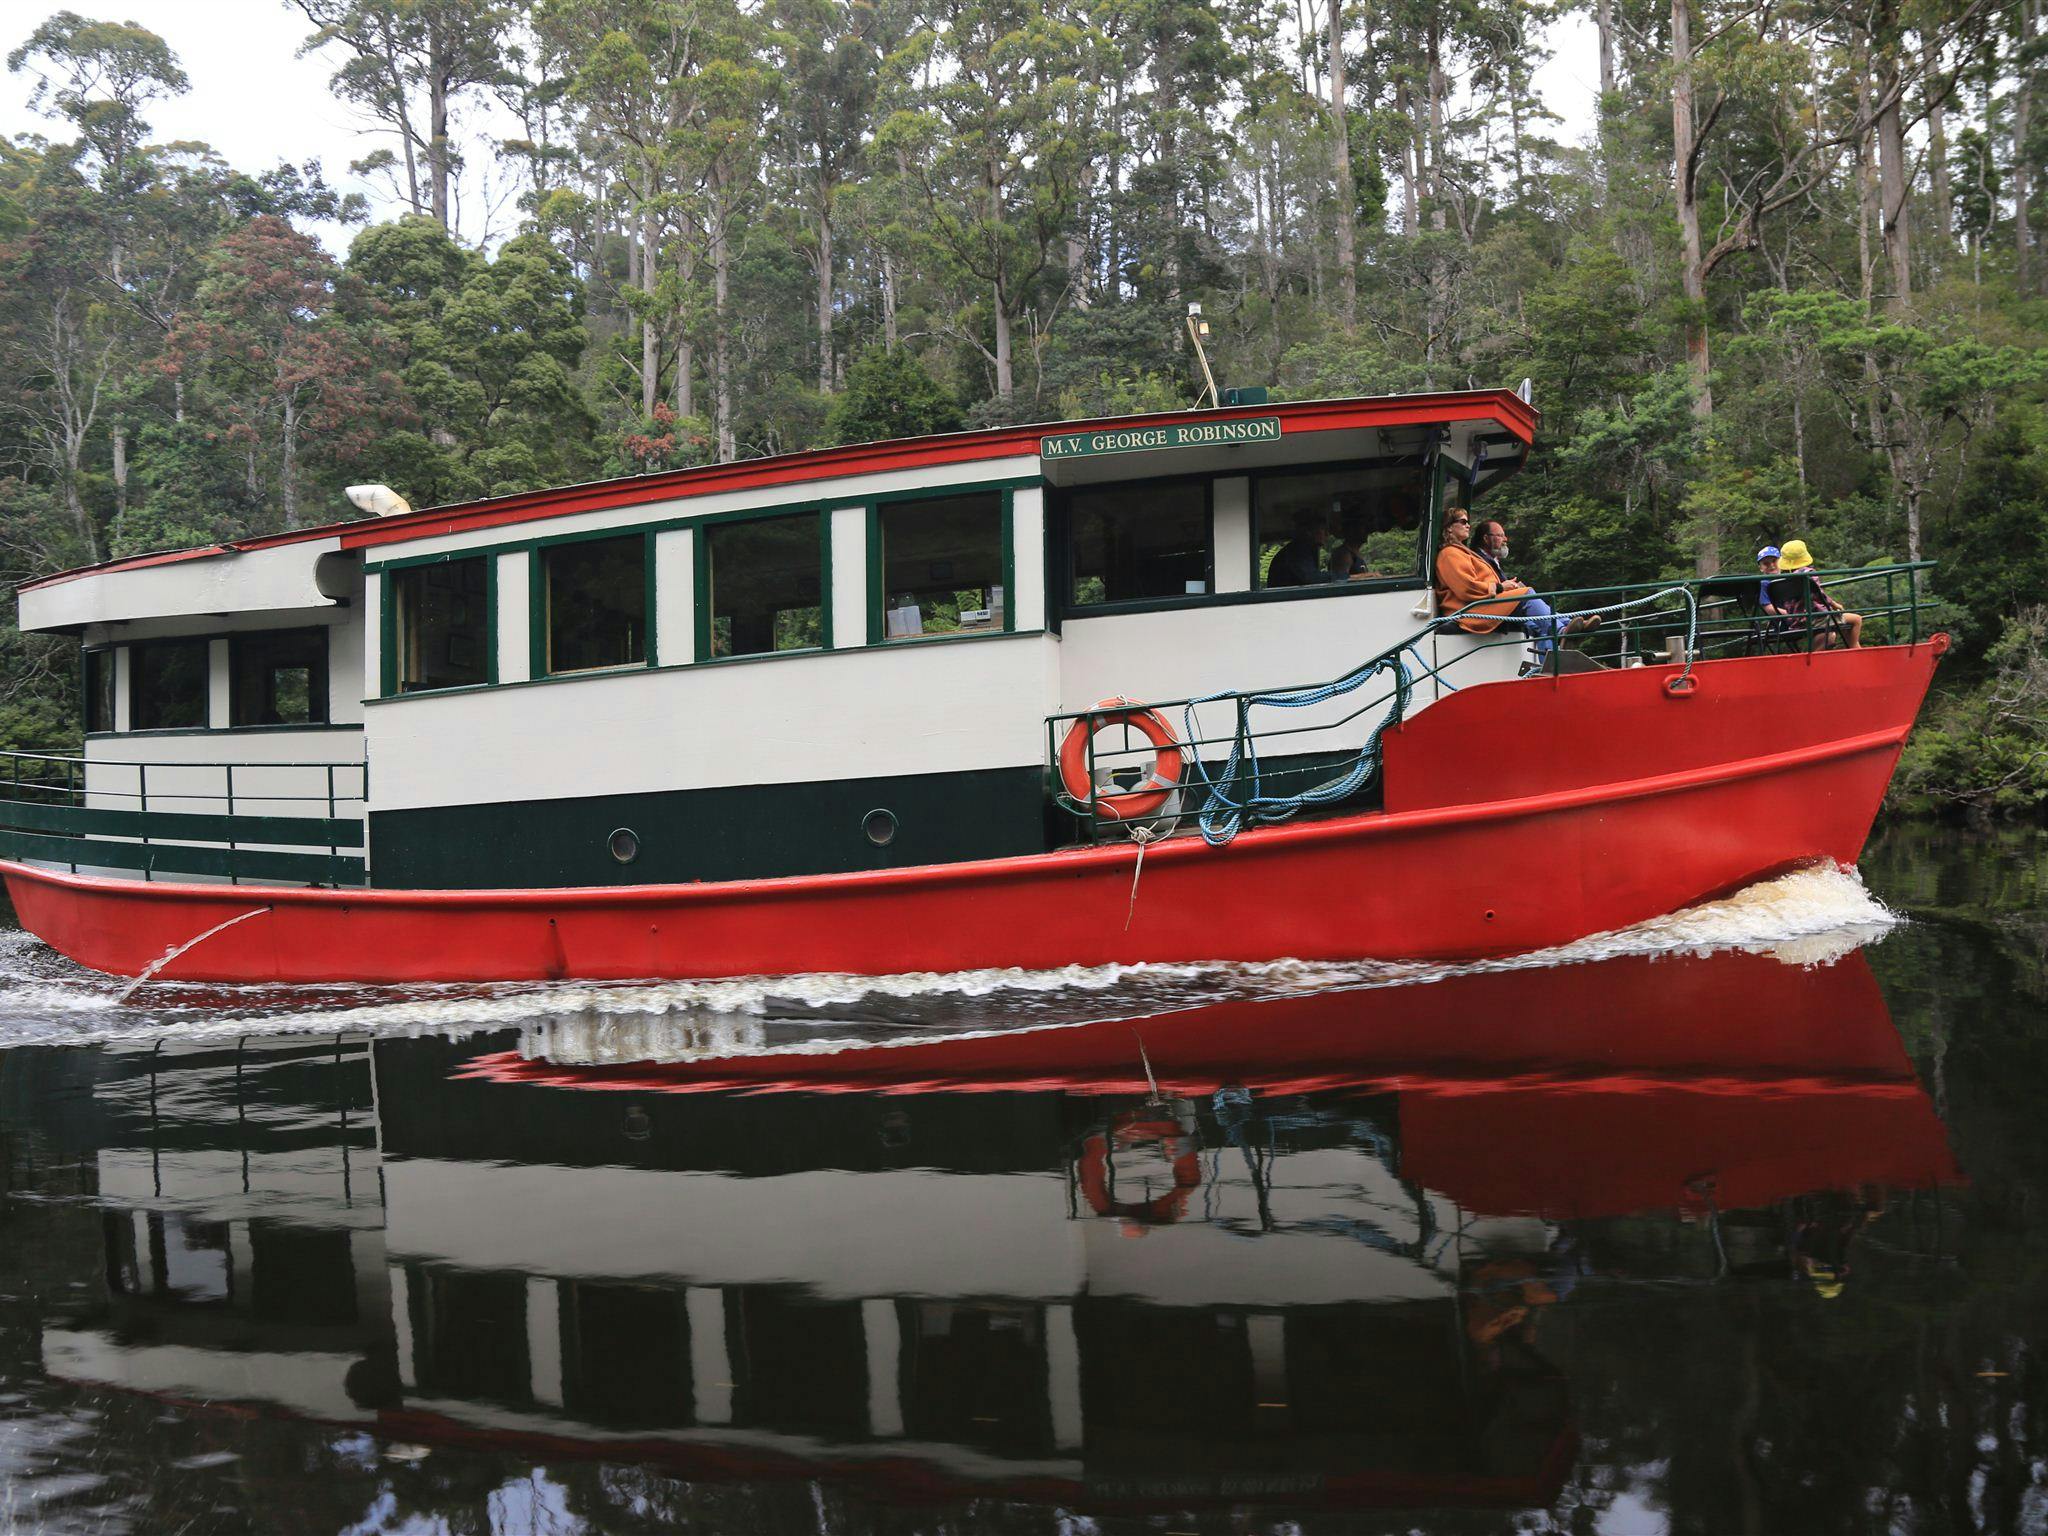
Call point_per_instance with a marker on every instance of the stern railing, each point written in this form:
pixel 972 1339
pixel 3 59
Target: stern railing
pixel 299 823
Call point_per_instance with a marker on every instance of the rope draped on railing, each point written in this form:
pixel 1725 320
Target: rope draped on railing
pixel 1223 815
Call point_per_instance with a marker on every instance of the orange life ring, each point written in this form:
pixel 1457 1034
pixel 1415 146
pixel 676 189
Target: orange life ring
pixel 1180 1150
pixel 1147 798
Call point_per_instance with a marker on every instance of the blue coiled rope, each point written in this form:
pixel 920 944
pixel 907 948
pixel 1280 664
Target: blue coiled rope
pixel 1224 813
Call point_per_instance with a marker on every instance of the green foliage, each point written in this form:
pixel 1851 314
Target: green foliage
pixel 889 394
pixel 1984 752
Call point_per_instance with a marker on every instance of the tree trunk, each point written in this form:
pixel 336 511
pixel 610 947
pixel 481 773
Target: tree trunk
pixel 1411 157
pixel 650 360
pixel 2022 177
pixel 439 68
pixel 721 341
pixel 1437 86
pixel 1340 130
pixel 1867 211
pixel 1937 153
pixel 888 302
pixel 1603 19
pixel 1005 380
pixel 1684 146
pixel 824 289
pixel 1894 178
pixel 120 437
pixel 288 470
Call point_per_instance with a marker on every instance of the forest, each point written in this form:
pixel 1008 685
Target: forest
pixel 1790 283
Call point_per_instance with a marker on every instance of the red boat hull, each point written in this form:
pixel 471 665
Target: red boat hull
pixel 1519 815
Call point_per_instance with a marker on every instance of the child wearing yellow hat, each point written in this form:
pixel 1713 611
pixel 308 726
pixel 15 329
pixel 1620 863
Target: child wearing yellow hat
pixel 1794 557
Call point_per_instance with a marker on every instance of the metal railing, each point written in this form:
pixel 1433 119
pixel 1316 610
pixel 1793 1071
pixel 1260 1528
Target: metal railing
pixel 240 821
pixel 1274 772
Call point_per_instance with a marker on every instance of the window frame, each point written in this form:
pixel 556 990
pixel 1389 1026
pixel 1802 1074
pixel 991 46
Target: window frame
pixel 137 693
pixel 702 619
pixel 877 597
pixel 238 638
pixel 387 622
pixel 1063 498
pixel 1428 467
pixel 537 604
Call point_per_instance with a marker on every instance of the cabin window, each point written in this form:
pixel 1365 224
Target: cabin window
pixel 99 690
pixel 441 636
pixel 595 592
pixel 941 565
pixel 1336 525
pixel 278 677
pixel 1140 542
pixel 765 583
pixel 168 691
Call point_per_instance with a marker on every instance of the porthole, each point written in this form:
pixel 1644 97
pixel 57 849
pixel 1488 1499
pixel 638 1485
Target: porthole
pixel 880 827
pixel 624 844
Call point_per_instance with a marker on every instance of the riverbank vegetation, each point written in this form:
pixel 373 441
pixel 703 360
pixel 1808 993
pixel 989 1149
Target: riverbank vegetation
pixel 1788 282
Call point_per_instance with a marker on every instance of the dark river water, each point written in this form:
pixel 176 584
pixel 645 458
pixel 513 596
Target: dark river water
pixel 1736 1222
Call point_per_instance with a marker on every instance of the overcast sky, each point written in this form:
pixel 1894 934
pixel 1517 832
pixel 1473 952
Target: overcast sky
pixel 256 102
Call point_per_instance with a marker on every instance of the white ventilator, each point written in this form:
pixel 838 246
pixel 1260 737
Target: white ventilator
pixel 378 500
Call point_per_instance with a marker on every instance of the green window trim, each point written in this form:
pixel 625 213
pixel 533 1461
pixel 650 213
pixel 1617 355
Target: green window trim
pixel 537 601
pixel 700 573
pixel 387 622
pixel 876 599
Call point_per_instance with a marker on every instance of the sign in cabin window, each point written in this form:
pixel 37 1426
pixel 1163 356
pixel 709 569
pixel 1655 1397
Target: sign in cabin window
pixel 168 688
pixel 99 690
pixel 597 610
pixel 442 634
pixel 278 677
pixel 942 566
pixel 1360 524
pixel 766 579
pixel 1134 543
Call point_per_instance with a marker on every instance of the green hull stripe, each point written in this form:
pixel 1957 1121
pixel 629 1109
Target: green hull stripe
pixel 734 833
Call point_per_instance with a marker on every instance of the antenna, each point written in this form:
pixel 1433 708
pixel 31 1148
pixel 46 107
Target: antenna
pixel 1197 329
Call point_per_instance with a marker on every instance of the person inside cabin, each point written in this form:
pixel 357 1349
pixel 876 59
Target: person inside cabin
pixel 1809 596
pixel 1299 562
pixel 1347 560
pixel 1464 577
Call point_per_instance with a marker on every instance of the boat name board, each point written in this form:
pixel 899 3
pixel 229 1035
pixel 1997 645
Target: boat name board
pixel 1193 434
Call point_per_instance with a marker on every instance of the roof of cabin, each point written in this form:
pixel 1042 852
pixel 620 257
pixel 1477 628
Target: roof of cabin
pixel 1514 414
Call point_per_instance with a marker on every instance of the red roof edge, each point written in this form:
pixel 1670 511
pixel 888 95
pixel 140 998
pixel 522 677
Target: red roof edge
pixel 1513 412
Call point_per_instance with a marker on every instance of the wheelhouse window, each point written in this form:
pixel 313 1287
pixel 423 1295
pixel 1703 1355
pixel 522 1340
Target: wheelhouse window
pixel 99 690
pixel 1134 543
pixel 941 566
pixel 1358 524
pixel 595 594
pixel 278 677
pixel 168 690
pixel 765 581
pixel 442 631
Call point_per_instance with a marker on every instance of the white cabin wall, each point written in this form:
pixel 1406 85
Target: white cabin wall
pixel 881 711
pixel 675 605
pixel 218 708
pixel 515 618
pixel 848 532
pixel 1027 558
pixel 200 586
pixel 1231 521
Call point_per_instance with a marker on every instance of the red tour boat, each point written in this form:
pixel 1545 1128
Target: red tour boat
pixel 1016 697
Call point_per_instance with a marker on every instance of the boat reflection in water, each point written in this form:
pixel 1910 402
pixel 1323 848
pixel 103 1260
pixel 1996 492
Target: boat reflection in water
pixel 1286 1253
